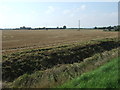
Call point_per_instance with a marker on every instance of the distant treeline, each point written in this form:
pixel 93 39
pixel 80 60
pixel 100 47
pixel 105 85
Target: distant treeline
pixel 29 28
pixel 109 28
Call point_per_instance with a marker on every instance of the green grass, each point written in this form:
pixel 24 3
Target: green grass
pixel 104 77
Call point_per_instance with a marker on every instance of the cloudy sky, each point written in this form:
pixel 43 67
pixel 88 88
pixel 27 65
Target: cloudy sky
pixel 32 13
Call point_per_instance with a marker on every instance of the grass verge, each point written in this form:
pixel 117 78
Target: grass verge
pixel 104 77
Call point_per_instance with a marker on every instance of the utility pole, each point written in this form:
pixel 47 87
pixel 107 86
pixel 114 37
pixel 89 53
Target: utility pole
pixel 79 25
pixel 46 27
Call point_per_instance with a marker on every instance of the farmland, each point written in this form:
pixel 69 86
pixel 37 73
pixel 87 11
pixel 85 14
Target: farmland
pixel 14 40
pixel 49 58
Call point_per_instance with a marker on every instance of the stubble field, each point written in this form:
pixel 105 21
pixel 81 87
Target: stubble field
pixel 54 56
pixel 14 40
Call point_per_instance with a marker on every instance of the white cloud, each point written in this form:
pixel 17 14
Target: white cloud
pixel 50 10
pixel 4 8
pixel 100 19
pixel 91 19
pixel 69 13
pixel 72 15
pixel 2 19
pixel 82 7
pixel 10 18
pixel 66 11
pixel 4 14
pixel 73 11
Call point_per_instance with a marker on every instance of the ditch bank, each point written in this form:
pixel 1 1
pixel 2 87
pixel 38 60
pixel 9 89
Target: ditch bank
pixel 17 64
pixel 58 75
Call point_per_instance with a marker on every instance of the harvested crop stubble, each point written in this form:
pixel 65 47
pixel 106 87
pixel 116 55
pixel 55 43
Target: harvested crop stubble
pixel 17 40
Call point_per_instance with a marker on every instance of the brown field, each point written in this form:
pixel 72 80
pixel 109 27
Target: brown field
pixel 14 40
